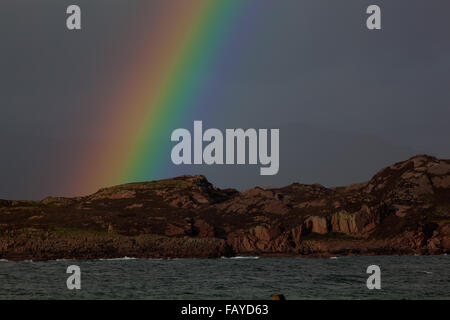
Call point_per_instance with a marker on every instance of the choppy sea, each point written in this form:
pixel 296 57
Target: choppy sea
pixel 402 277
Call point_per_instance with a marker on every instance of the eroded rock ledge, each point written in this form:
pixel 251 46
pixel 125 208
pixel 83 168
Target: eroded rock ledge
pixel 403 209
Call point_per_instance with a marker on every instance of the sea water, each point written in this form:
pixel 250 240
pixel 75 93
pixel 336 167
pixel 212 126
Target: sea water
pixel 402 277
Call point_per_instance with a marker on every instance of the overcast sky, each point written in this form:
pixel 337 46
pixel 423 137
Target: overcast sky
pixel 347 100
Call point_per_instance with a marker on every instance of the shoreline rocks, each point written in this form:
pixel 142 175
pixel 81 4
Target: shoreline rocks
pixel 403 209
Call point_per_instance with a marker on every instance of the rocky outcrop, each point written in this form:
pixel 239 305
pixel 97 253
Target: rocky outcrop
pixel 410 181
pixel 403 209
pixel 316 224
pixel 256 200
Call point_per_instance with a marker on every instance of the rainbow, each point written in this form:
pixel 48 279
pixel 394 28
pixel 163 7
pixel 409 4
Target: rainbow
pixel 159 88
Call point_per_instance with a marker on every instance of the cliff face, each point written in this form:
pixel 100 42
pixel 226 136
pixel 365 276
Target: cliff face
pixel 403 209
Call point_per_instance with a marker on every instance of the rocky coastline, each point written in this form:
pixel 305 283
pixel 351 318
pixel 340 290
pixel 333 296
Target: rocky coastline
pixel 404 209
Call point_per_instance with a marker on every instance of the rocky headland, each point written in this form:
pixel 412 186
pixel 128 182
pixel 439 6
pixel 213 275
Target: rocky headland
pixel 403 209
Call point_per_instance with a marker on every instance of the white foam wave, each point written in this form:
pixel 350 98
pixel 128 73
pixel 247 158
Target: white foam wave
pixel 118 259
pixel 241 258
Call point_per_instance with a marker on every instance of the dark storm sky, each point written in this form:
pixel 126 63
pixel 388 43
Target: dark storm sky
pixel 347 100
